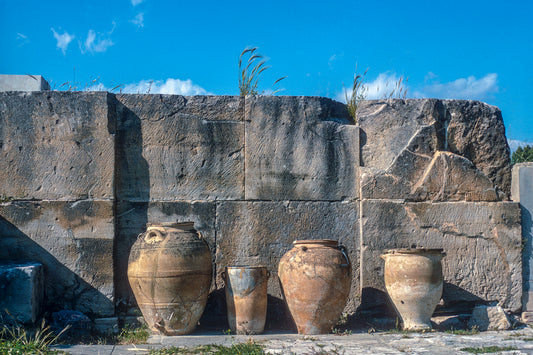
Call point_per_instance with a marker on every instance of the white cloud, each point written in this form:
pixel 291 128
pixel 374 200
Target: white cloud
pixel 463 88
pixel 136 2
pixel 138 20
pixel 169 86
pixel 514 144
pixel 22 39
pixel 382 87
pixel 97 42
pixel 63 40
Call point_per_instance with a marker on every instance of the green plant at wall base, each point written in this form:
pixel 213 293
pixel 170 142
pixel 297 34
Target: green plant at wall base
pixel 17 340
pixel 248 348
pixel 249 74
pixel 130 335
pixel 357 94
pixel 488 349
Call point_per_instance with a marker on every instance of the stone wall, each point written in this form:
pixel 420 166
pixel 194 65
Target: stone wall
pixel 85 172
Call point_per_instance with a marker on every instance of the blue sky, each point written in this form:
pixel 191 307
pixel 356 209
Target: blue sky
pixel 448 49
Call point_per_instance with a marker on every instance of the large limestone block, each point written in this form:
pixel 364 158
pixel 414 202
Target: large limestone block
pixel 21 291
pixel 522 191
pixel 260 233
pixel 300 148
pixel 389 126
pixel 73 241
pixel 482 242
pixel 476 131
pixel 405 142
pixel 56 145
pixel 173 147
pixel 132 218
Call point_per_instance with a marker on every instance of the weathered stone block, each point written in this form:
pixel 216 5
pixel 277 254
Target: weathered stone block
pixel 489 318
pixel 405 146
pixel 522 192
pixel 56 145
pixel 173 147
pixel 476 131
pixel 73 241
pixel 482 243
pixel 260 233
pixel 23 83
pixel 21 291
pixel 300 148
pixel 131 221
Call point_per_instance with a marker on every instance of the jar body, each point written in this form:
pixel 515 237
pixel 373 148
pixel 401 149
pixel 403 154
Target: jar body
pixel 170 271
pixel 315 276
pixel 246 298
pixel 413 279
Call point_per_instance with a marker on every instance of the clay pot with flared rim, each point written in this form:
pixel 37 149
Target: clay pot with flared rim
pixel 413 279
pixel 169 270
pixel 315 276
pixel 246 298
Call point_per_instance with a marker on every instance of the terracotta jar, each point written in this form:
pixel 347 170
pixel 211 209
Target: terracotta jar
pixel 315 277
pixel 169 270
pixel 413 279
pixel 246 298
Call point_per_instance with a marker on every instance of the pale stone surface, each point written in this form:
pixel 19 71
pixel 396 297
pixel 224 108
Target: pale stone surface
pixel 21 291
pixel 522 192
pixel 300 148
pixel 23 83
pixel 56 145
pixel 481 240
pixel 400 138
pixel 132 218
pixel 489 318
pixel 451 177
pixel 260 233
pixel 73 241
pixel 173 147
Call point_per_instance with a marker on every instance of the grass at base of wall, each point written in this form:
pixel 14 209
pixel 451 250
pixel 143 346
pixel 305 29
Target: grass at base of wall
pixel 248 348
pixel 16 340
pixel 488 349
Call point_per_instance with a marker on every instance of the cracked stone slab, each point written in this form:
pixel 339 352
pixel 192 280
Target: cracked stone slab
pixel 482 242
pixel 56 145
pixel 74 243
pixel 172 147
pixel 260 233
pixel 400 138
pixel 300 148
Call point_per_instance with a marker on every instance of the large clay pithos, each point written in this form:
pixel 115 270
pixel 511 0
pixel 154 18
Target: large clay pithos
pixel 169 271
pixel 413 279
pixel 246 298
pixel 315 276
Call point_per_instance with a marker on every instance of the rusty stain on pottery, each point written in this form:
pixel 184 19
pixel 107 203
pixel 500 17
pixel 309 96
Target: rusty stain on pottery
pixel 169 270
pixel 315 276
pixel 413 279
pixel 246 298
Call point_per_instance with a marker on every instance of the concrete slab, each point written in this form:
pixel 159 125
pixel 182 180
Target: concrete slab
pixel 21 291
pixel 23 83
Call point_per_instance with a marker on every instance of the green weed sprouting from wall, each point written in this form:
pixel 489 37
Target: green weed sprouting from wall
pixel 399 90
pixel 249 74
pixel 357 94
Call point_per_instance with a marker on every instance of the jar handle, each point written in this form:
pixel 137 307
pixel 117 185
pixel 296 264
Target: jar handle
pixel 345 253
pixel 154 236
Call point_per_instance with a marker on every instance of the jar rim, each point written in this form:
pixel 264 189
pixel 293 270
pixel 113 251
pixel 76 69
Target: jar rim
pixel 180 225
pixel 414 251
pixel 329 242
